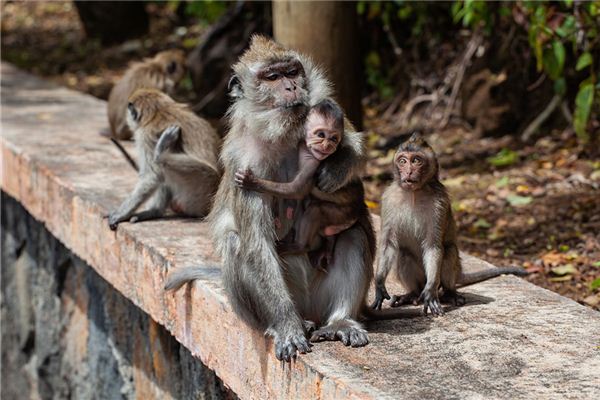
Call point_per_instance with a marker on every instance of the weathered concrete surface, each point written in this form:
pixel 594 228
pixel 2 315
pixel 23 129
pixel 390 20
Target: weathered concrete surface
pixel 66 333
pixel 512 340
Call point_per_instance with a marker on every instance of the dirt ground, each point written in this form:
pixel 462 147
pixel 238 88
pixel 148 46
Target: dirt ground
pixel 540 210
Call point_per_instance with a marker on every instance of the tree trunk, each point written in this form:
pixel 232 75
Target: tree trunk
pixel 113 21
pixel 328 32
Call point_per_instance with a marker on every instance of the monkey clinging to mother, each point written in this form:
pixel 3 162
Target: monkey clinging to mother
pixel 273 89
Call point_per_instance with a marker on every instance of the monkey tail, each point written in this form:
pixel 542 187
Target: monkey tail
pixel 181 276
pixel 369 314
pixel 480 276
pixel 130 160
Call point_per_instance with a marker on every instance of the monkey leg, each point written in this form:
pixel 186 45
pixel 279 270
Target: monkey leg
pixel 339 295
pixel 411 275
pixel 451 270
pixel 250 282
pixel 183 163
pixel 158 204
pixel 145 186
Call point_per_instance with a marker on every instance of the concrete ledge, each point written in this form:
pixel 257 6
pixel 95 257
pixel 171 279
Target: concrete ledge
pixel 512 339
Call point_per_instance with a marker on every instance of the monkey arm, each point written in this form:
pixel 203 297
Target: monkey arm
pixel 145 186
pixel 388 257
pixel 432 261
pixel 297 189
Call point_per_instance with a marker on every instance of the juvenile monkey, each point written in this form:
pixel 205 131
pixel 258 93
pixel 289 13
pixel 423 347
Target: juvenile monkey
pixel 163 72
pixel 326 214
pixel 418 234
pixel 177 155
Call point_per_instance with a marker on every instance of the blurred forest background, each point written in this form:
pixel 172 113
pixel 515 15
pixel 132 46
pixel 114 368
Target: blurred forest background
pixel 508 94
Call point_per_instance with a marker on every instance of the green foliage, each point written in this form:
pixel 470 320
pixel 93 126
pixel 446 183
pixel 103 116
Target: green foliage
pixel 595 284
pixel 563 38
pixel 505 157
pixel 207 10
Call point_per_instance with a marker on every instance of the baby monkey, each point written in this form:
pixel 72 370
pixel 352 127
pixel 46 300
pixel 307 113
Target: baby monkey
pixel 327 214
pixel 418 234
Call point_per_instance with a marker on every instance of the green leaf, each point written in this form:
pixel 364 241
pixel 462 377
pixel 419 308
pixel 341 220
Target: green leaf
pixel 564 248
pixel 516 201
pixel 503 158
pixel 482 223
pixel 559 52
pixel 560 86
pixel 583 106
pixel 596 264
pixel 502 181
pixel 595 284
pixel 584 60
pixel 564 270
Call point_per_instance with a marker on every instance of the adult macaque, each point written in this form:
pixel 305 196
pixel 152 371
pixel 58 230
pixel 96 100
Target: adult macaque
pixel 273 90
pixel 327 213
pixel 177 155
pixel 163 72
pixel 418 234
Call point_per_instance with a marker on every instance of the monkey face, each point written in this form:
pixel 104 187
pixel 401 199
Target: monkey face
pixel 282 84
pixel 413 170
pixel 322 136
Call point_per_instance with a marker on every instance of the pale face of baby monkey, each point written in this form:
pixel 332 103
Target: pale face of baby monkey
pixel 323 134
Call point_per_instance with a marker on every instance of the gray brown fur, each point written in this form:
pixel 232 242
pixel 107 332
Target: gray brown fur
pixel 178 159
pixel 418 239
pixel 270 292
pixel 162 72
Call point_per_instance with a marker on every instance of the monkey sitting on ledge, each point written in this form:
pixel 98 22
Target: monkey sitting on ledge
pixel 418 234
pixel 326 214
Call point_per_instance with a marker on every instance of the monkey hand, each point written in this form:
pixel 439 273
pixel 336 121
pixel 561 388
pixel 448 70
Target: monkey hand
pixel 380 294
pixel 167 139
pixel 431 302
pixel 113 220
pixel 247 180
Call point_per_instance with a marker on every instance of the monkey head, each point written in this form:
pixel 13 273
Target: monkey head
pixel 271 77
pixel 173 66
pixel 415 163
pixel 324 128
pixel 143 106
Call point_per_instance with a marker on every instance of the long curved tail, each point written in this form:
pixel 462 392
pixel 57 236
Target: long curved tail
pixel 483 275
pixel 181 276
pixel 128 157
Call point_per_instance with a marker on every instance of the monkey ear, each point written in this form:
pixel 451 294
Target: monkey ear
pixel 234 87
pixel 172 67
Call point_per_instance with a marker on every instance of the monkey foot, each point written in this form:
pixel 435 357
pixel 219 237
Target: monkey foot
pixel 285 349
pixel 453 297
pixel 409 298
pixel 431 303
pixel 309 326
pixel 166 140
pixel 348 335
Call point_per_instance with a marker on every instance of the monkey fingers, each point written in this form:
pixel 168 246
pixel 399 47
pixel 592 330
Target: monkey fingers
pixel 114 219
pixel 380 294
pixel 431 303
pixel 285 350
pixel 408 298
pixel 348 335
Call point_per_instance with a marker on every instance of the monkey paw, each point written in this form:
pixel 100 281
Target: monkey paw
pixel 380 294
pixel 453 297
pixel 167 140
pixel 409 298
pixel 431 303
pixel 113 220
pixel 348 335
pixel 286 348
pixel 245 179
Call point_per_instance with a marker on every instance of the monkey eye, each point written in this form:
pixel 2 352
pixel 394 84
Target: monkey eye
pixel 402 160
pixel 292 73
pixel 272 77
pixel 417 160
pixel 321 134
pixel 334 139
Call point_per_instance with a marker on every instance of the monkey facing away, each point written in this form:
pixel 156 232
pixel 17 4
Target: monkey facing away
pixel 327 213
pixel 273 89
pixel 418 234
pixel 162 72
pixel 178 159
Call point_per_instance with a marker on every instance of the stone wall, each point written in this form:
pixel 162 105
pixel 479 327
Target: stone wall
pixel 67 333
